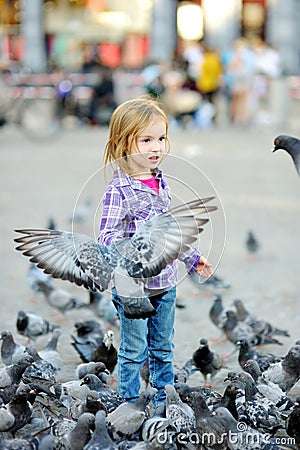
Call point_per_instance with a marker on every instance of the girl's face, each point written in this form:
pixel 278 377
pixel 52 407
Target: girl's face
pixel 151 149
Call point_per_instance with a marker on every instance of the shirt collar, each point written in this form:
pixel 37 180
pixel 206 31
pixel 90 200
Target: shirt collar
pixel 121 178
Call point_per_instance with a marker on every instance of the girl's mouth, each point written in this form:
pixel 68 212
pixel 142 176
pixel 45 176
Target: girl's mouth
pixel 154 158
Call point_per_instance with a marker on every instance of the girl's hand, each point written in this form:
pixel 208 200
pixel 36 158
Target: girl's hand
pixel 204 268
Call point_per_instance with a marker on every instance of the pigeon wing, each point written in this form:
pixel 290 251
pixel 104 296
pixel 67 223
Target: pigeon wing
pixel 68 256
pixel 160 240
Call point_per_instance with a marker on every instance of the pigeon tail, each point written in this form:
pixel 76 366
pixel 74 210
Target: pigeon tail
pixel 137 307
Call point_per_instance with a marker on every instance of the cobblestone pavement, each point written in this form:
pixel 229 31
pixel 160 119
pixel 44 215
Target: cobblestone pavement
pixel 255 190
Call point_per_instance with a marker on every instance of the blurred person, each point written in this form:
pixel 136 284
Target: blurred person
pixel 102 102
pixel 137 144
pixel 239 74
pixel 193 55
pixel 209 80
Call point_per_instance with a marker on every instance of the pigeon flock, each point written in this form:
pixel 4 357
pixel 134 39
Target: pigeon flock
pixel 254 407
pixel 248 408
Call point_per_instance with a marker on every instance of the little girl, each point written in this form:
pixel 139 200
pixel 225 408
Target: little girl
pixel 137 143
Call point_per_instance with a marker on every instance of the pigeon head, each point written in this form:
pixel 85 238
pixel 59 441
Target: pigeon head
pixel 280 142
pixel 108 338
pixel 203 342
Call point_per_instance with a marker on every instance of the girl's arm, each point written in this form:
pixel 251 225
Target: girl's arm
pixel 112 219
pixel 195 262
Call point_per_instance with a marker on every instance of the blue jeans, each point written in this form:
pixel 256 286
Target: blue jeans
pixel 147 338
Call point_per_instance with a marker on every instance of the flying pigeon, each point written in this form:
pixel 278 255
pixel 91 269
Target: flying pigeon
pixel 130 261
pixel 32 325
pixel 291 145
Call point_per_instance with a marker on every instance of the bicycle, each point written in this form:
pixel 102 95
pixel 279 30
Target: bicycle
pixel 29 105
pixel 44 105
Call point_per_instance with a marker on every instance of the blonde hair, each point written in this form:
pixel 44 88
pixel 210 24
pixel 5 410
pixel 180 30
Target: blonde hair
pixel 128 120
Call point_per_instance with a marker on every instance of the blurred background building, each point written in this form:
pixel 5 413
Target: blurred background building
pixel 134 33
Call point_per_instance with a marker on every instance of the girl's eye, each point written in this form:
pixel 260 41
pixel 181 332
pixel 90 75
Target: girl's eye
pixel 162 138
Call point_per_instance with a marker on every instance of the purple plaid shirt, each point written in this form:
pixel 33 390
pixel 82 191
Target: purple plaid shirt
pixel 127 204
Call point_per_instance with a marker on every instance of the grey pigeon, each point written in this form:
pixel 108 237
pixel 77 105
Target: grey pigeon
pixel 243 437
pixel 207 361
pixel 17 413
pixel 183 373
pixel 40 367
pixel 259 413
pixel 50 353
pixel 12 374
pixel 11 352
pixel 32 325
pixel 104 308
pixel 92 404
pixel 107 352
pixel 82 432
pixel 217 314
pixel 129 262
pixel 267 388
pixel 235 330
pixel 60 299
pixel 208 427
pixel 20 443
pixel 259 325
pixel 292 423
pixel 36 277
pixel 247 352
pixel 89 337
pixel 100 440
pixel 180 414
pixel 96 368
pixel 285 373
pixel 252 244
pixel 291 145
pixel 211 397
pixel 110 398
pixel 134 414
pixel 213 282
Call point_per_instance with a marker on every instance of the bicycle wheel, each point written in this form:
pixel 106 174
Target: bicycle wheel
pixel 38 119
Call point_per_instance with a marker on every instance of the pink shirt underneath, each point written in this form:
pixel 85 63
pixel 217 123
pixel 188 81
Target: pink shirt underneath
pixel 151 183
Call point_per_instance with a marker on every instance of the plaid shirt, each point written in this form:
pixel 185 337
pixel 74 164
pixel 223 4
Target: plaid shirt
pixel 127 204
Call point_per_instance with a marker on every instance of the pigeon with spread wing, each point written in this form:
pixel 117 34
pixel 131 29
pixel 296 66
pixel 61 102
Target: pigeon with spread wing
pixel 129 262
